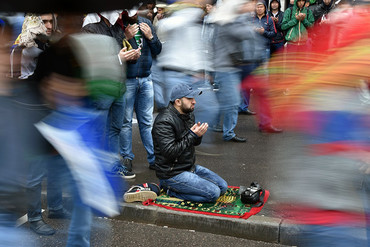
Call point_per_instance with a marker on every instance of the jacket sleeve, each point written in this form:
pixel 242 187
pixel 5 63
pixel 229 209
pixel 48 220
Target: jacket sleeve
pixel 271 30
pixel 155 44
pixel 164 133
pixel 289 20
pixel 280 21
pixel 309 20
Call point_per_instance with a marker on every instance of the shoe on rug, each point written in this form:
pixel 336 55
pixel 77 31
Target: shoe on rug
pixel 142 192
pixel 123 172
pixel 41 228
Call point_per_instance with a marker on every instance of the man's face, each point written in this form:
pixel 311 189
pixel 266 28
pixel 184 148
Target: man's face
pixel 327 2
pixel 260 9
pixel 300 3
pixel 48 22
pixel 274 5
pixel 187 104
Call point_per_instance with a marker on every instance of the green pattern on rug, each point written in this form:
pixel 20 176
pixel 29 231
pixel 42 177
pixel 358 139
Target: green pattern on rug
pixel 228 205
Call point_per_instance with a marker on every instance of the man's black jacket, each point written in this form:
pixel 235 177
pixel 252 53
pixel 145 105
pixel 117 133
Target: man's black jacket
pixel 174 143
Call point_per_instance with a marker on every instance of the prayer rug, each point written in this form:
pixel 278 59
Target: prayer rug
pixel 228 205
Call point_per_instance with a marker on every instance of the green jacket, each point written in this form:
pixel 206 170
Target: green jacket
pixel 296 31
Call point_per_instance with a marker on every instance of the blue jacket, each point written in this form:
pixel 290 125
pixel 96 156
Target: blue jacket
pixel 268 24
pixel 149 48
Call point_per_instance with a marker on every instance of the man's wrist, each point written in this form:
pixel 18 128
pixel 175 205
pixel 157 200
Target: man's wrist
pixel 151 38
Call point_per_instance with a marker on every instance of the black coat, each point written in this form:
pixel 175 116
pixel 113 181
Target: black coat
pixel 174 143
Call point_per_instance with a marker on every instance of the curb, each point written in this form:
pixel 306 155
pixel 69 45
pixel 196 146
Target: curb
pixel 259 228
pixel 256 227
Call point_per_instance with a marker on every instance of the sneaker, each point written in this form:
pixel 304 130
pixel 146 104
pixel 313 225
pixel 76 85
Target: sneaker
pixel 59 214
pixel 127 163
pixel 123 172
pixel 142 192
pixel 41 228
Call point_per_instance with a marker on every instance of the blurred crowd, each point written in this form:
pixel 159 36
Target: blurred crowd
pixel 71 83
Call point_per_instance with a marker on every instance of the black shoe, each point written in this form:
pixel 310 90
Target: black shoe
pixel 270 129
pixel 237 139
pixel 59 214
pixel 123 172
pixel 40 227
pixel 127 163
pixel 247 112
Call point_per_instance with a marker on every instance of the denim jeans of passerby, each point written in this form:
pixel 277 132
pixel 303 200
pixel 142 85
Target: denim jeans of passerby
pixel 228 97
pixel 245 71
pixel 275 47
pixel 139 96
pixel 158 86
pixel 206 107
pixel 113 109
pixel 39 167
pixel 201 185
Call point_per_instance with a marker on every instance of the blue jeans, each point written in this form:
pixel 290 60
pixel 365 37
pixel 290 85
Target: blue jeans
pixel 113 109
pixel 245 92
pixel 158 86
pixel 228 97
pixel 50 165
pixel 206 108
pixel 202 185
pixel 139 96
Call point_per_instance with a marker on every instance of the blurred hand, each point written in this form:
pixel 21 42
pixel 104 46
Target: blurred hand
pixel 261 30
pixel 146 30
pixel 130 55
pixel 199 129
pixel 131 30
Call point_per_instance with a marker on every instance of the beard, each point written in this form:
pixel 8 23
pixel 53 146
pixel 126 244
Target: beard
pixel 186 110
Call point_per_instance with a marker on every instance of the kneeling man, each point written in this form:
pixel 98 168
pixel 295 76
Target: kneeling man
pixel 175 134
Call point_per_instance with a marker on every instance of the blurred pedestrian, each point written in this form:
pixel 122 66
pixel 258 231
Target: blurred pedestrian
pixel 182 58
pixel 108 23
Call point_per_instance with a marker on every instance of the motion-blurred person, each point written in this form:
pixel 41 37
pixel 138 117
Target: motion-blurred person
pixel 231 30
pixel 297 20
pixel 157 73
pixel 161 13
pixel 182 58
pixel 265 27
pixel 107 23
pixel 34 39
pixel 74 72
pixel 139 94
pixel 320 12
pixel 19 143
pixel 175 133
pixel 332 163
pixel 277 16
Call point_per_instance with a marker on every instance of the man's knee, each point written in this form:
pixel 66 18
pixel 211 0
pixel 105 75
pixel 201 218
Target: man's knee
pixel 213 194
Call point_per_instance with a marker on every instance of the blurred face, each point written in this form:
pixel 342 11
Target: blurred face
pixel 326 2
pixel 274 5
pixel 209 8
pixel 260 9
pixel 48 22
pixel 300 3
pixel 187 104
pixel 160 10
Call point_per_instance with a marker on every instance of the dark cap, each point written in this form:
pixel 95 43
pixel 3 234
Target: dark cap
pixel 183 90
